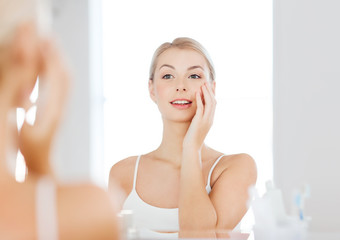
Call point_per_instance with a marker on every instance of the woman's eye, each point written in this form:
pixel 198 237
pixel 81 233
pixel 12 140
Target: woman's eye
pixel 167 76
pixel 194 76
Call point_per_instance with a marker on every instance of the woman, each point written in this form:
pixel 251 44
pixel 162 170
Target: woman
pixel 184 184
pixel 39 208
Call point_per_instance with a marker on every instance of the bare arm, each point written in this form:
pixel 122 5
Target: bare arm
pixel 226 204
pixel 229 194
pixel 121 180
pixel 196 211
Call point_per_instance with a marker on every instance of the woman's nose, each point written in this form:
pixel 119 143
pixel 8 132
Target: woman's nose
pixel 181 86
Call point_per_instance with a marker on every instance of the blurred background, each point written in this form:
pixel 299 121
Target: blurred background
pixel 278 82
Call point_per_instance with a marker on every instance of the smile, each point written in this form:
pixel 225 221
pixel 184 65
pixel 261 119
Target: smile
pixel 181 102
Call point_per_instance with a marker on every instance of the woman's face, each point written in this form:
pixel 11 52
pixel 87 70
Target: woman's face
pixel 179 74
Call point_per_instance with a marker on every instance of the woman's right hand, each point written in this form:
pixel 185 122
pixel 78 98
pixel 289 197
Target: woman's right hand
pixel 35 141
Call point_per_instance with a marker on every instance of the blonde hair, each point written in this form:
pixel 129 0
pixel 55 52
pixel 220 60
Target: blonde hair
pixel 182 43
pixel 15 12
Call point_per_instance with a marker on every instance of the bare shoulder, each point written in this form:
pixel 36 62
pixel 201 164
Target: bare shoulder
pixel 243 159
pixel 123 166
pixel 86 207
pixel 242 164
pixel 122 173
pixel 235 174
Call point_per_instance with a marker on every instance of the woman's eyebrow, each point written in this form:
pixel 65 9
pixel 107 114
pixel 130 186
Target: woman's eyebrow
pixel 196 66
pixel 167 65
pixel 189 68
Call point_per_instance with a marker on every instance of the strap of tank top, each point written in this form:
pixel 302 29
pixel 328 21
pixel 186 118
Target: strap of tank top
pixel 46 209
pixel 135 174
pixel 212 169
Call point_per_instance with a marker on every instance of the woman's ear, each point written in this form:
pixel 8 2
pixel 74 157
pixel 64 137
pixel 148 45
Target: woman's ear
pixel 152 91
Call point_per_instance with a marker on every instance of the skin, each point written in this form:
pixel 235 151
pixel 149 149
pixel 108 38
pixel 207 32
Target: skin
pixel 84 211
pixel 175 174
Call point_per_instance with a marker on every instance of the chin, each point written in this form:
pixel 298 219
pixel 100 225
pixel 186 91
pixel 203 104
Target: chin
pixel 180 118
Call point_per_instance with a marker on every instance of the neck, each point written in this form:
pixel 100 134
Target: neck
pixel 4 174
pixel 5 108
pixel 171 147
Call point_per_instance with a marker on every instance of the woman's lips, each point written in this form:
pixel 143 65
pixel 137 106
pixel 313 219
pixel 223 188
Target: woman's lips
pixel 181 103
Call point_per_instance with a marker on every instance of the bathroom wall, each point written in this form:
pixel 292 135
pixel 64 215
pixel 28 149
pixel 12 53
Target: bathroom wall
pixel 307 105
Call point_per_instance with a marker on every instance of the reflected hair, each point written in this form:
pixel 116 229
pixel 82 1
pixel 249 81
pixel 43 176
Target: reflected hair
pixel 182 43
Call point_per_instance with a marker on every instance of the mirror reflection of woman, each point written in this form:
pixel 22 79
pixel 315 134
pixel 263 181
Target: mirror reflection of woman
pixel 184 184
pixel 40 208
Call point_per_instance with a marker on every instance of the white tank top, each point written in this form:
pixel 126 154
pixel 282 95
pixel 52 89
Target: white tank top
pixel 46 209
pixel 150 220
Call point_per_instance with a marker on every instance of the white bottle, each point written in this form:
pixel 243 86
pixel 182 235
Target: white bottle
pixel 274 196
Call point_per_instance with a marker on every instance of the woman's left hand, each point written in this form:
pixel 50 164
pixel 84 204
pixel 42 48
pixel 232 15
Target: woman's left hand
pixel 203 119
